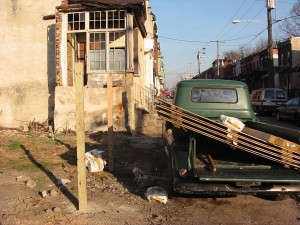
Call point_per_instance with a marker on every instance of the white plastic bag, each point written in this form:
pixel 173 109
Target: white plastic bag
pixel 94 161
pixel 156 193
pixel 232 123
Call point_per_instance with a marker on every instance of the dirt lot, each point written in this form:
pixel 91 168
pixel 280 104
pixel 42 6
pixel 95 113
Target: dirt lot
pixel 32 164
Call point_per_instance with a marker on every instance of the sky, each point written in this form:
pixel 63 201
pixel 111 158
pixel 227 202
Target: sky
pixel 186 27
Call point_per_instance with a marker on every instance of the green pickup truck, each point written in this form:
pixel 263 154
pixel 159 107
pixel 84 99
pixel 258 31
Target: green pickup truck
pixel 205 157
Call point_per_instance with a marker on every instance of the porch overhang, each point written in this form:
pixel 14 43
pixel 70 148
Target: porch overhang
pixel 137 7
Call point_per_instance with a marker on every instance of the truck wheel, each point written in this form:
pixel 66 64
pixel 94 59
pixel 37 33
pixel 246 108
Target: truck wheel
pixel 169 172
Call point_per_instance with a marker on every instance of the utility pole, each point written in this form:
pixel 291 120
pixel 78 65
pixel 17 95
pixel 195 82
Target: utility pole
pixel 270 6
pixel 218 57
pixel 198 58
pixel 190 69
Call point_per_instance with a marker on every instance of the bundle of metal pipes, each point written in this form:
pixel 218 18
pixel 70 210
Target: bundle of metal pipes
pixel 250 140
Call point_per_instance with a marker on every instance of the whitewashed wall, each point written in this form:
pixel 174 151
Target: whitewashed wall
pixel 27 70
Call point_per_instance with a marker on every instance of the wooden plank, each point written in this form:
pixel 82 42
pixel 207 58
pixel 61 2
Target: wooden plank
pixel 80 137
pixel 110 121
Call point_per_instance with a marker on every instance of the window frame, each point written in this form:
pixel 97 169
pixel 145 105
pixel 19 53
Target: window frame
pixel 119 18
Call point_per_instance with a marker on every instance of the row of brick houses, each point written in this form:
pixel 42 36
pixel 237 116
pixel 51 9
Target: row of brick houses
pixel 44 43
pixel 253 69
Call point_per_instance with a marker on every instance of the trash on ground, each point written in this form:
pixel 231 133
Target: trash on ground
pixel 232 123
pixel 156 193
pixel 94 161
pixel 142 179
pixel 63 181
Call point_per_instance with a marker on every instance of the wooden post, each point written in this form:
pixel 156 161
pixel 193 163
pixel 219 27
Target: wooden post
pixel 110 122
pixel 80 136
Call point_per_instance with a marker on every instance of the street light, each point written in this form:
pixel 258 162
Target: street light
pixel 254 21
pixel 200 55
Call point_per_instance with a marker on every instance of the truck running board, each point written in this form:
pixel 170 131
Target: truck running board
pixel 267 146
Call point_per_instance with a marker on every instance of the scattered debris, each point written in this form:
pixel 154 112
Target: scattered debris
pixel 156 193
pixel 63 181
pixel 56 209
pixel 142 179
pixel 94 161
pixel 37 126
pixel 30 183
pixel 44 194
pixel 53 193
pixel 22 179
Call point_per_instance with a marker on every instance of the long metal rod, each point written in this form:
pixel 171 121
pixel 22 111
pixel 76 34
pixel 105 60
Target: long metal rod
pixel 170 113
pixel 223 137
pixel 212 124
pixel 286 161
pixel 225 131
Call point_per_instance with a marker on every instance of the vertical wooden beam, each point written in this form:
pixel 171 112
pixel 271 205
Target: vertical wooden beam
pixel 80 136
pixel 130 43
pixel 110 122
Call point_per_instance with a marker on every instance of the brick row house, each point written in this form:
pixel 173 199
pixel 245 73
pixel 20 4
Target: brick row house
pixel 253 69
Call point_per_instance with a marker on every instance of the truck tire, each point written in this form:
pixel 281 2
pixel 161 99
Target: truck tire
pixel 169 173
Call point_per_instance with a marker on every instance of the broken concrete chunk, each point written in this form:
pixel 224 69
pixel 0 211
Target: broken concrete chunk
pixel 22 179
pixel 30 183
pixel 44 194
pixel 53 193
pixel 156 193
pixel 56 209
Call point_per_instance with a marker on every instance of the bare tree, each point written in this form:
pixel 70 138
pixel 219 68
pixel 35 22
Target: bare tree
pixel 240 53
pixel 290 26
pixel 233 55
pixel 260 45
pixel 245 51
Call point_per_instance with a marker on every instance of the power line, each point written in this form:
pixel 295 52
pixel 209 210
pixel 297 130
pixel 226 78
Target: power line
pixel 244 14
pixel 203 42
pixel 246 24
pixel 231 19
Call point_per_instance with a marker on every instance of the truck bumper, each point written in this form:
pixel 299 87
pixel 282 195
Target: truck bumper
pixel 190 187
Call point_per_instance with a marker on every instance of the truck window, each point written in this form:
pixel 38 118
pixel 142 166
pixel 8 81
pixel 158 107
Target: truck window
pixel 213 95
pixel 269 94
pixel 280 95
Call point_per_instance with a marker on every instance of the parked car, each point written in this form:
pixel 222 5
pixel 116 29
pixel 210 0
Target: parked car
pixel 266 100
pixel 289 111
pixel 168 94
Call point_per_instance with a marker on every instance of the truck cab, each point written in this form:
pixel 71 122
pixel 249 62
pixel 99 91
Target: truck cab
pixel 203 161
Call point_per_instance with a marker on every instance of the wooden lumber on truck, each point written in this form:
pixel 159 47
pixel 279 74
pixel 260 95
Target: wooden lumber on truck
pixel 250 140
